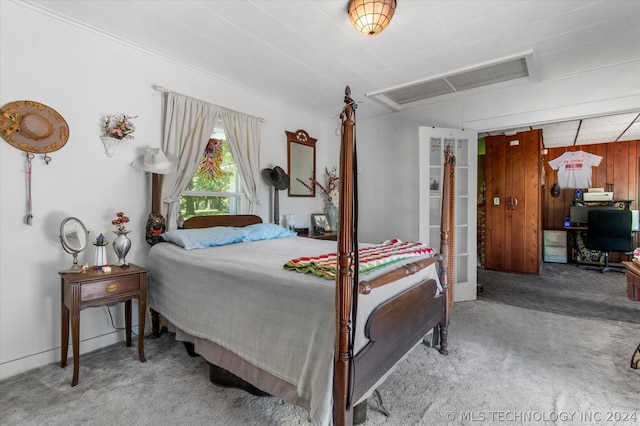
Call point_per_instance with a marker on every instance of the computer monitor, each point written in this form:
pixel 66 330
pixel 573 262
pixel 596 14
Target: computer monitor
pixel 578 215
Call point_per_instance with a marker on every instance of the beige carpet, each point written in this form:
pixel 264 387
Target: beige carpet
pixel 505 363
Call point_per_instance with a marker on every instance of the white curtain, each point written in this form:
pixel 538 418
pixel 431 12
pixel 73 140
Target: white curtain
pixel 243 133
pixel 189 124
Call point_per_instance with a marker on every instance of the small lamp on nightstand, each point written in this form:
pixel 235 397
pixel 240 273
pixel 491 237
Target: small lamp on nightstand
pixel 100 257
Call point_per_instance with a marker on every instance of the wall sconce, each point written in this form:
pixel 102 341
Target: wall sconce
pixel 371 17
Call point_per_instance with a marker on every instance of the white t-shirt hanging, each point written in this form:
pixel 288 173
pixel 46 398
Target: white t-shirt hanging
pixel 574 168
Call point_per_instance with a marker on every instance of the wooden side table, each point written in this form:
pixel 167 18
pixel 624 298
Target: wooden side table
pixel 632 271
pixel 97 288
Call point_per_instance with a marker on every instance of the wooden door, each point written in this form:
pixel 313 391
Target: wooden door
pixel 513 240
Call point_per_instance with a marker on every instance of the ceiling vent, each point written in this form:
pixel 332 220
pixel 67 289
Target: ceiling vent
pixel 503 71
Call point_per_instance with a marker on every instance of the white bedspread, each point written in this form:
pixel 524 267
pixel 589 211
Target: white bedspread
pixel 240 297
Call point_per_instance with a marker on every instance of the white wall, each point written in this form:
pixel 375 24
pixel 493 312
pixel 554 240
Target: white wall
pixel 388 145
pixel 85 76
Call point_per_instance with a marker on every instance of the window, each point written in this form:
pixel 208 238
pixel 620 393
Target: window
pixel 215 188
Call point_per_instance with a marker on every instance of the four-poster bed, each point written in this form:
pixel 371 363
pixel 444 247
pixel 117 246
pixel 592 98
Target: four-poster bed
pixel 335 342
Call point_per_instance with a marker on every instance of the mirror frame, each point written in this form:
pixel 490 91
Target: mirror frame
pixel 300 137
pixel 65 243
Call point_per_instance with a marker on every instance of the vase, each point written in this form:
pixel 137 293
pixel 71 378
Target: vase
pixel 121 246
pixel 332 216
pixel 110 145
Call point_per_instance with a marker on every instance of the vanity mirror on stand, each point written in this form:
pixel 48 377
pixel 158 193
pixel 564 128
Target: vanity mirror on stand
pixel 301 157
pixel 73 237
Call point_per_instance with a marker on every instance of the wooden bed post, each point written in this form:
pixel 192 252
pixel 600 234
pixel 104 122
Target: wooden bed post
pixel 156 190
pixel 156 206
pixel 342 406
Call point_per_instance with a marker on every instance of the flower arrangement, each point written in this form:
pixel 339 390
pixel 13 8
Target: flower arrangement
pixel 118 126
pixel 330 189
pixel 119 222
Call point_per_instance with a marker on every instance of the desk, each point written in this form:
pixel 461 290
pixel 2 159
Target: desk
pixel 577 234
pixel 579 253
pixel 633 293
pixel 97 288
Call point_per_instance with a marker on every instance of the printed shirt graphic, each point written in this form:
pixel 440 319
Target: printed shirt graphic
pixel 574 168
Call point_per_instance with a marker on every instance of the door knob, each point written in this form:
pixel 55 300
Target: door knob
pixel 512 202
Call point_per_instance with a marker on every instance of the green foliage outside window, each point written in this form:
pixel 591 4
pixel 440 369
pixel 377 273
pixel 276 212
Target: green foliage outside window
pixel 208 195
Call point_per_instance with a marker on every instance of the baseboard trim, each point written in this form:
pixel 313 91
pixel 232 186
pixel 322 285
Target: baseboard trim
pixel 30 362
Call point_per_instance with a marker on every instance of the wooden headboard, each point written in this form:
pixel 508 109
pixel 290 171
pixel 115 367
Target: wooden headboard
pixel 222 220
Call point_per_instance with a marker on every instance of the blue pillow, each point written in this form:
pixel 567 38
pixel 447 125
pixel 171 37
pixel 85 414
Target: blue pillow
pixel 264 231
pixel 191 239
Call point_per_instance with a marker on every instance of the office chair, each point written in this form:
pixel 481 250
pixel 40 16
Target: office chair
pixel 609 230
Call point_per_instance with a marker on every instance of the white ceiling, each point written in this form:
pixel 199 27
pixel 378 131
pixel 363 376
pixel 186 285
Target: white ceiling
pixel 304 52
pixel 586 131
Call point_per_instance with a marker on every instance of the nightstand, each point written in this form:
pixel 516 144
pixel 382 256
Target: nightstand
pixel 97 288
pixel 331 236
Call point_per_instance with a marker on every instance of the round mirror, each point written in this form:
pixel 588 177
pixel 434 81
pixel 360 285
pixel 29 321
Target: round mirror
pixel 73 237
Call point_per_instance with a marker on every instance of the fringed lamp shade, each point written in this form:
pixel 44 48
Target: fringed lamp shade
pixel 371 17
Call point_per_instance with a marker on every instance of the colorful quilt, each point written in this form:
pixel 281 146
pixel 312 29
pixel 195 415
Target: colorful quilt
pixel 371 258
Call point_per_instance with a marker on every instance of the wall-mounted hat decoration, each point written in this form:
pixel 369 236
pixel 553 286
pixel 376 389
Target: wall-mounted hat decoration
pixel 280 180
pixel 36 129
pixel 33 127
pixel 155 161
pixel 278 177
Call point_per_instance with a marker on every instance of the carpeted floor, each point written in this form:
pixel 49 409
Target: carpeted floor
pixel 564 289
pixel 507 365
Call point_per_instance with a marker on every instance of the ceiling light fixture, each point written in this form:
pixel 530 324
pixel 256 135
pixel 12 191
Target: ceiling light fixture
pixel 371 17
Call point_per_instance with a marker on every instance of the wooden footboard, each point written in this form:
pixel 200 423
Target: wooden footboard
pixel 395 327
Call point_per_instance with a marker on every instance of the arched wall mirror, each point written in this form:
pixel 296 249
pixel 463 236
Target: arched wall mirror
pixel 73 237
pixel 301 158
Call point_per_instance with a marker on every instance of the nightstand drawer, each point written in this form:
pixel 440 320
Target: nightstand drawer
pixel 109 288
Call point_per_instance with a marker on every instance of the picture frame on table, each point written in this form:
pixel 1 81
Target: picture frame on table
pixel 320 223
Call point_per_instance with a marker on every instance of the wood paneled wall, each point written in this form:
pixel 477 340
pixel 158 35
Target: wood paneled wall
pixel 619 167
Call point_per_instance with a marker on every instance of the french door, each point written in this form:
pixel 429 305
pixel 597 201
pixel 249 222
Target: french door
pixel 463 276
